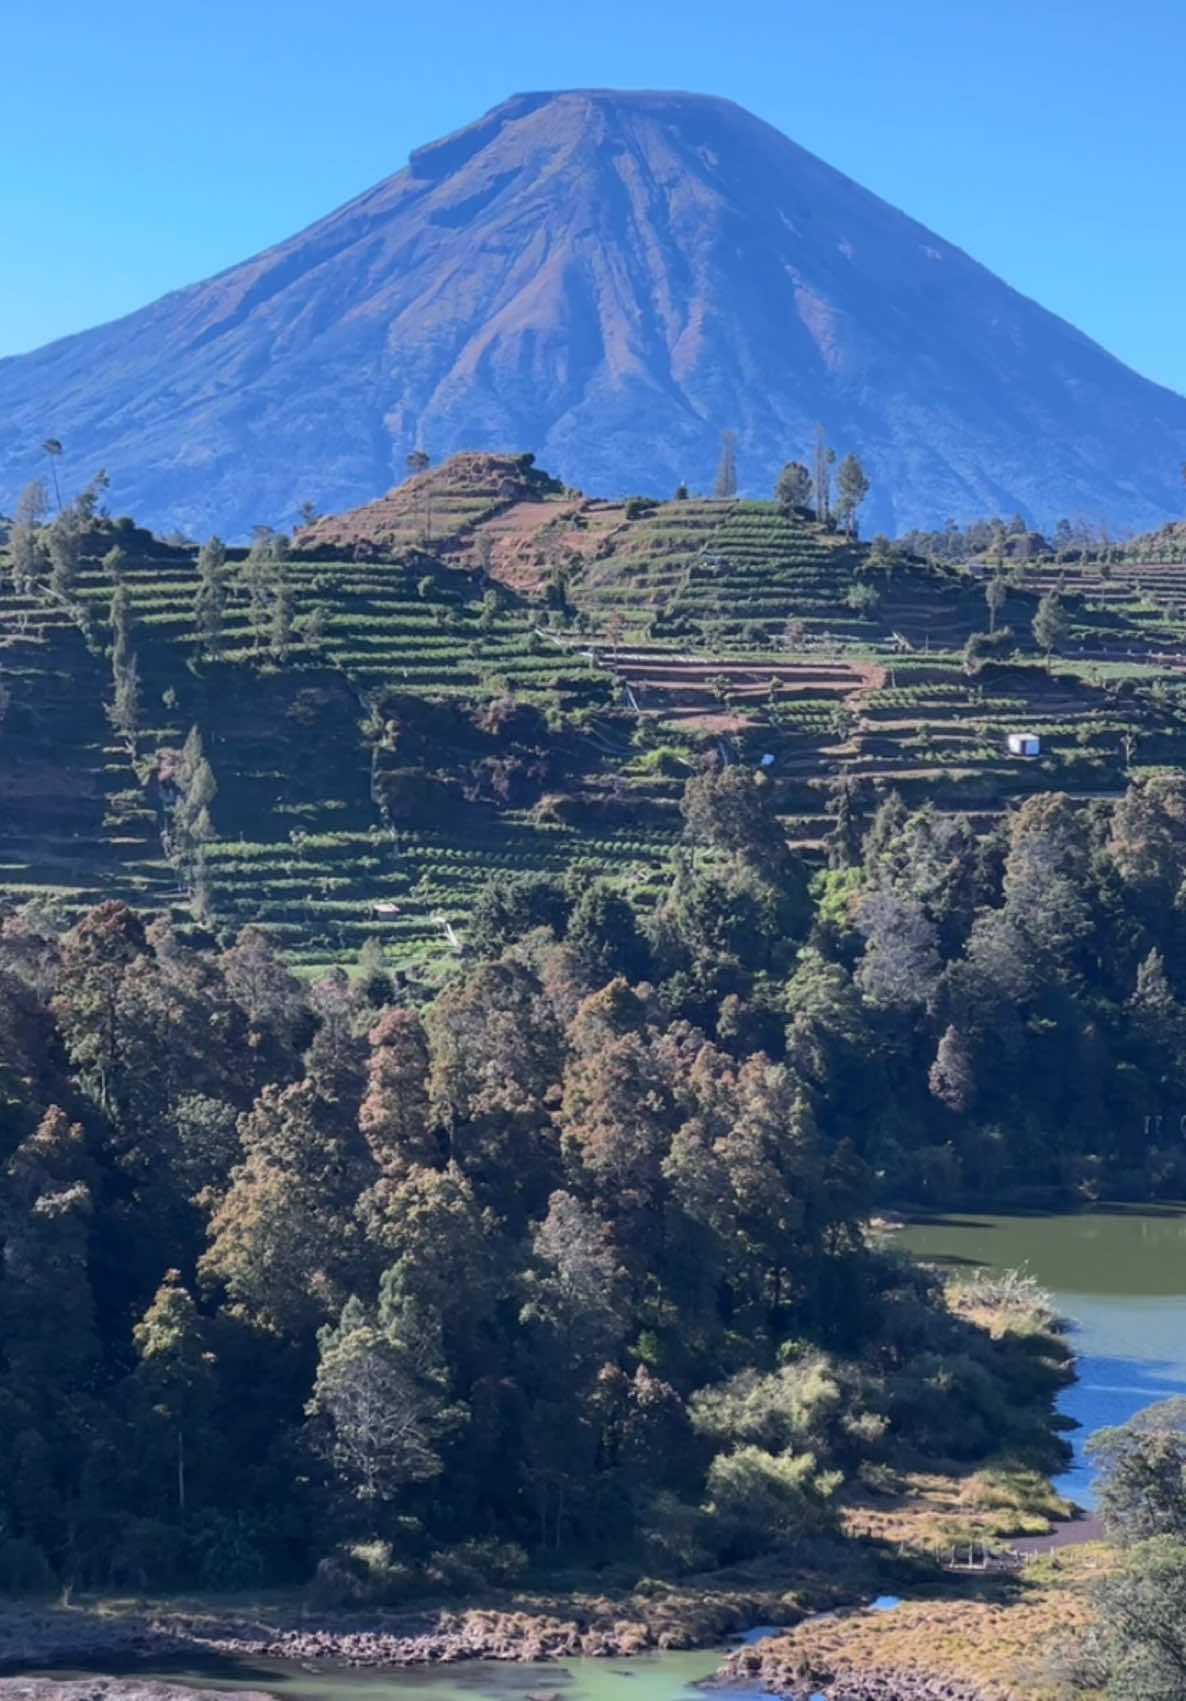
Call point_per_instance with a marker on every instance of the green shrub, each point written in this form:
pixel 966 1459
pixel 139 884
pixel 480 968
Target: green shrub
pixel 474 1565
pixel 759 1500
pixel 679 1536
pixel 221 1552
pixel 362 1574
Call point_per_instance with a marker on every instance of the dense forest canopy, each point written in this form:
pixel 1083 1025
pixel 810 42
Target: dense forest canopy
pixel 572 1259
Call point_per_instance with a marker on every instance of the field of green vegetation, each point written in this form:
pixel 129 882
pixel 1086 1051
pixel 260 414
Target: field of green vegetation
pixel 590 656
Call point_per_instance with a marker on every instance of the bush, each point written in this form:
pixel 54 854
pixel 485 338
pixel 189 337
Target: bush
pixel 222 1552
pixel 761 1500
pixel 362 1574
pixel 987 646
pixel 1020 1301
pixel 476 1564
pixel 666 760
pixel 863 598
pixel 1024 1494
pixel 365 1574
pixel 678 1536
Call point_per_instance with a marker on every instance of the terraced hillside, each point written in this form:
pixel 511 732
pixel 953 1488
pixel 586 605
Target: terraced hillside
pixel 392 718
pixel 309 836
pixel 74 825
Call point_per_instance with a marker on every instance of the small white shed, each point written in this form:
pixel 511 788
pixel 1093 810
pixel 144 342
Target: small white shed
pixel 1024 744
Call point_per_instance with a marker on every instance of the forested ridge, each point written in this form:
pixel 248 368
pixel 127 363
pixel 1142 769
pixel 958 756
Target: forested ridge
pixel 302 1279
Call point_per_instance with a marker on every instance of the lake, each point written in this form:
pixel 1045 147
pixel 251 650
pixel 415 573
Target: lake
pixel 667 1676
pixel 1118 1274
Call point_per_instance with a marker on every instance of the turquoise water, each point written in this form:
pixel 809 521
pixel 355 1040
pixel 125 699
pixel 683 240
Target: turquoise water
pixel 1118 1274
pixel 644 1677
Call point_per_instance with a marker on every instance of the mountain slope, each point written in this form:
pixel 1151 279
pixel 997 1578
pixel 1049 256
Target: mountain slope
pixel 609 280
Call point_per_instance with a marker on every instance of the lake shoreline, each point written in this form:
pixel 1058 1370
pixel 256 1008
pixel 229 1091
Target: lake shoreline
pixel 744 1668
pixel 893 1538
pixel 873 1686
pixel 67 1637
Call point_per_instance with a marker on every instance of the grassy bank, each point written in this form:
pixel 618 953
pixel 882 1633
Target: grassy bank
pixel 1004 1636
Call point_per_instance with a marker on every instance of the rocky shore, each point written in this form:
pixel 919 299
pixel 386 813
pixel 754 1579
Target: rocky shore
pixel 878 1686
pixel 104 1689
pixel 893 1686
pixel 870 1686
pixel 70 1636
pixel 978 1647
pixel 873 1687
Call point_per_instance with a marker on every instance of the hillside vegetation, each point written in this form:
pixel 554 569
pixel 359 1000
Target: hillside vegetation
pixel 302 1284
pixel 485 673
pixel 645 950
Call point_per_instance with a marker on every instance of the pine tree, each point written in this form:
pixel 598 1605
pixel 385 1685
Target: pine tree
pixel 852 487
pixel 844 842
pixel 281 1239
pixel 726 479
pixel 375 984
pixel 825 460
pixel 114 563
pixel 121 630
pixel 1159 1021
pixel 211 596
pixel 951 1078
pixel 124 711
pixel 47 1322
pixel 175 1380
pixel 190 828
pixel 793 489
pixel 381 1401
pixel 281 621
pixel 260 573
pixel 1051 624
pixel 64 540
pixel 26 544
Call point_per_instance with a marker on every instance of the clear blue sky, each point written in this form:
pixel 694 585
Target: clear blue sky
pixel 148 145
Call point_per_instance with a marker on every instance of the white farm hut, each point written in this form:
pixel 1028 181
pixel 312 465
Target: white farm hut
pixel 1024 744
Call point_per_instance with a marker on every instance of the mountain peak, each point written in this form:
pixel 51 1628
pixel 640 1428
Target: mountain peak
pixel 610 278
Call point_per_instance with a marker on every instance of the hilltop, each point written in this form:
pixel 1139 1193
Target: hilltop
pixel 610 279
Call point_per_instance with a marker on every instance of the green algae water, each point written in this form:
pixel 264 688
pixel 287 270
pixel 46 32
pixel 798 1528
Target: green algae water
pixel 644 1677
pixel 1119 1276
